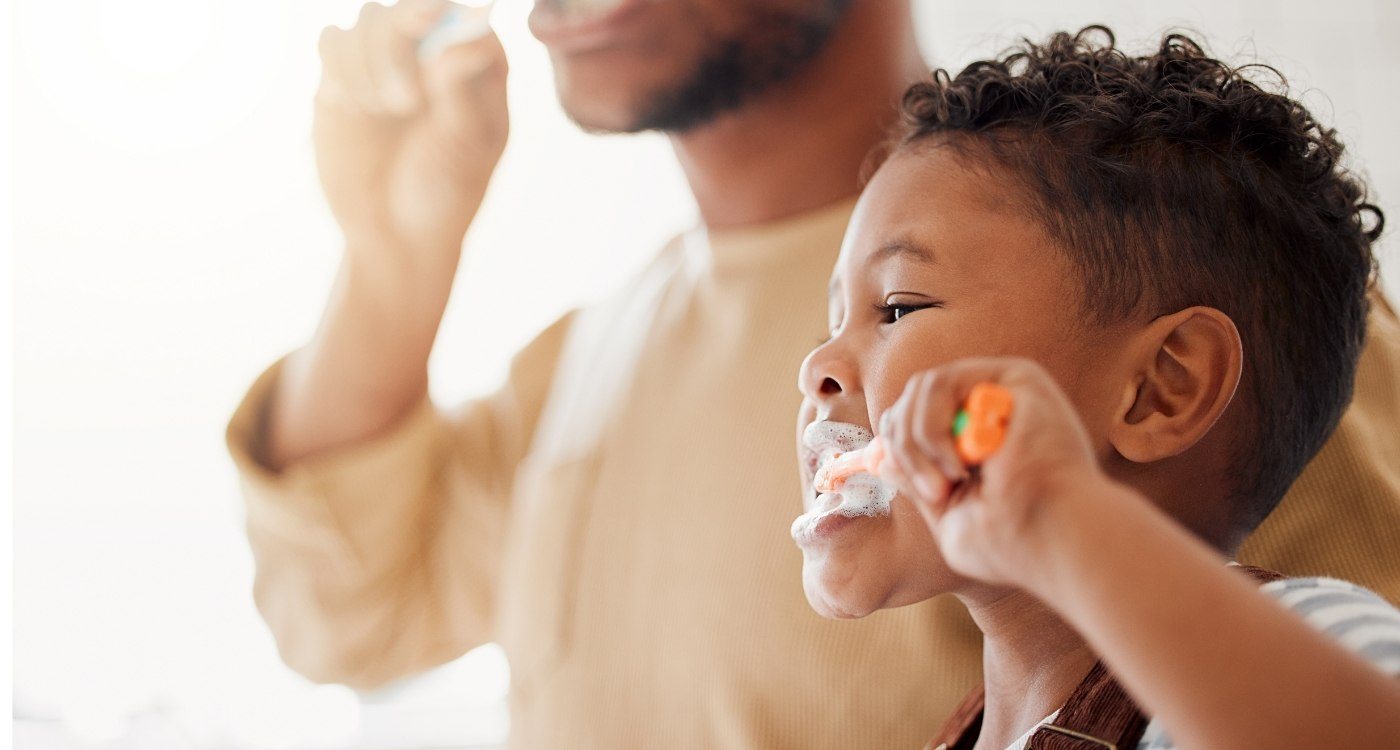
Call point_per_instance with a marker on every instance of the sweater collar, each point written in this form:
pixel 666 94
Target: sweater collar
pixel 805 237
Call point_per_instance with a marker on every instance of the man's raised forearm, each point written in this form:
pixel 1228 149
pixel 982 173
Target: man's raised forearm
pixel 367 363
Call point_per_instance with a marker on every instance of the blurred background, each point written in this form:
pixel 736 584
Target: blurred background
pixel 170 242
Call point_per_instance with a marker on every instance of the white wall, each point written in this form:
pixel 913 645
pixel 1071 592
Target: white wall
pixel 170 241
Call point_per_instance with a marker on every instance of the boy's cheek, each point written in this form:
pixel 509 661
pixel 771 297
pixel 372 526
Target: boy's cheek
pixel 922 570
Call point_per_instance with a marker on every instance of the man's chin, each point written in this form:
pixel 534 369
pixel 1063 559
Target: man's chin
pixel 599 109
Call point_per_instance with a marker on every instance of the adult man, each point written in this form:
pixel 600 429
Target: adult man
pixel 617 515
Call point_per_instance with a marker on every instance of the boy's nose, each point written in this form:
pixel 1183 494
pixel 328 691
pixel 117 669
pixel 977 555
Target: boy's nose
pixel 826 375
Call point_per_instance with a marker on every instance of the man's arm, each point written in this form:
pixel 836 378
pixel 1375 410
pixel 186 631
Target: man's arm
pixel 376 521
pixel 379 559
pixel 404 150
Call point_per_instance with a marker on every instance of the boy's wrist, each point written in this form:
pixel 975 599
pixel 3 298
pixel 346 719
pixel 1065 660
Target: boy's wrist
pixel 1065 529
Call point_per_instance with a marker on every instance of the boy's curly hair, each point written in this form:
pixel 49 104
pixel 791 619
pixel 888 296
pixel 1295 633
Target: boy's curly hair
pixel 1172 180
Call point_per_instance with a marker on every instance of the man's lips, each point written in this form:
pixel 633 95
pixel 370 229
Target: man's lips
pixel 581 29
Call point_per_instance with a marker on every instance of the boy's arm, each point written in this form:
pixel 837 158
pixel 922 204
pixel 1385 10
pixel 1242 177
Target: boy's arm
pixel 1221 664
pixel 1196 644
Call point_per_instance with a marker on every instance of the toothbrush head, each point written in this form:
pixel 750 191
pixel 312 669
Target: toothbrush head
pixel 460 23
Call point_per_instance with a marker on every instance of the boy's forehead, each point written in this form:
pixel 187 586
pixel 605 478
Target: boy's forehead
pixel 926 205
pixel 899 248
pixel 931 220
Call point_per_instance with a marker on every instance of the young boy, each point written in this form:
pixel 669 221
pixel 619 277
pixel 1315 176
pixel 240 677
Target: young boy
pixel 1166 267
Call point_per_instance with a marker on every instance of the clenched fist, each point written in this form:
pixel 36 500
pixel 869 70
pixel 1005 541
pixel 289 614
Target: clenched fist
pixel 406 146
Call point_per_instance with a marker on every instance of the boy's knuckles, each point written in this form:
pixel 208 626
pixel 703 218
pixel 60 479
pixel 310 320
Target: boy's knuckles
pixel 898 440
pixel 927 435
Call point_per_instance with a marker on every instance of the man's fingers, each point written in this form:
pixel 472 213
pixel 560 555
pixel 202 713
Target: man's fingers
pixel 360 77
pixel 413 19
pixel 376 67
pixel 467 62
pixel 373 66
pixel 344 77
pixel 345 73
pixel 466 85
pixel 392 57
pixel 331 90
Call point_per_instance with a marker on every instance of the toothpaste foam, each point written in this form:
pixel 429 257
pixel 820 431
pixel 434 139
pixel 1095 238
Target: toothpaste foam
pixel 862 494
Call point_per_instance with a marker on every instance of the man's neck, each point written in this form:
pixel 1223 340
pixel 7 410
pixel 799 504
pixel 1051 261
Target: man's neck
pixel 800 145
pixel 1031 663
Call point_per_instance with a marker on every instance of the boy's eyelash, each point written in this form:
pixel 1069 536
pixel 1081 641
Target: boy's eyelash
pixel 887 312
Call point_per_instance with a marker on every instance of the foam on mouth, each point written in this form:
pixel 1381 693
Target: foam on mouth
pixel 861 494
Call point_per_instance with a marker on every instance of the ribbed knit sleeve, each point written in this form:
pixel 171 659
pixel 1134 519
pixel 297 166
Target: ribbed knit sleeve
pixel 380 559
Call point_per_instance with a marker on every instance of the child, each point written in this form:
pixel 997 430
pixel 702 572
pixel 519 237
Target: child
pixel 1166 267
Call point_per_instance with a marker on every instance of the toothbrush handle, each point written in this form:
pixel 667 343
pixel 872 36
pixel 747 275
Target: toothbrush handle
pixel 978 431
pixel 980 426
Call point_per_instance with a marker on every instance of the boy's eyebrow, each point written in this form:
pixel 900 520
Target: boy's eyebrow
pixel 906 246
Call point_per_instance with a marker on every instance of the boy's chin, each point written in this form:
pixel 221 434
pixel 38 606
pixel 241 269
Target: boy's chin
pixel 845 592
pixel 839 597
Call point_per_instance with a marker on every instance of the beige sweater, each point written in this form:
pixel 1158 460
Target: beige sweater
pixel 623 529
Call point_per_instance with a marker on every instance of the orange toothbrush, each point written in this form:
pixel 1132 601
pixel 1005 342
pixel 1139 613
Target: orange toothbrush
pixel 978 431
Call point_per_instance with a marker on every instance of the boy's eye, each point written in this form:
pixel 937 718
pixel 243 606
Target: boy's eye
pixel 890 313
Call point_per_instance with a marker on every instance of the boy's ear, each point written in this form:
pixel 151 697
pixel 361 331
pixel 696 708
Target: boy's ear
pixel 1187 371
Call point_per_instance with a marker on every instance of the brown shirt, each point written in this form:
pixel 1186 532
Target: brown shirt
pixel 622 529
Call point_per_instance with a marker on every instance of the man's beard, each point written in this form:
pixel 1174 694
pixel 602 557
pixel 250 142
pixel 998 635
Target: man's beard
pixel 733 71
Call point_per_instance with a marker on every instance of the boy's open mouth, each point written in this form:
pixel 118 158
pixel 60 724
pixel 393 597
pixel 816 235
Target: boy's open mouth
pixel 861 495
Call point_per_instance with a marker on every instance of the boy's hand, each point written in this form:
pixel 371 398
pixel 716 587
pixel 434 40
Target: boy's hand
pixel 405 147
pixel 989 522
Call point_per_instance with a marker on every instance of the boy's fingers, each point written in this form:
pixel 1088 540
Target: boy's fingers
pixel 932 428
pixel 916 472
pixel 1037 397
pixel 897 450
